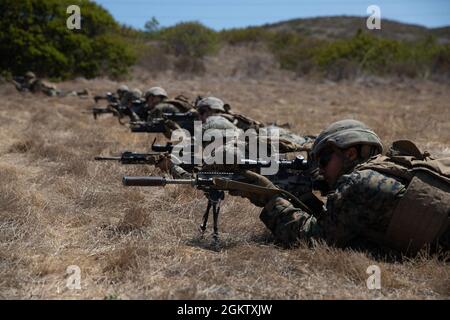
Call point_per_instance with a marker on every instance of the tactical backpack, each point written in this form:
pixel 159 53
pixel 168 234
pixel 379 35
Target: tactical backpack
pixel 241 121
pixel 422 215
pixel 181 103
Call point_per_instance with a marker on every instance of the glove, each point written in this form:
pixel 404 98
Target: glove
pixel 251 177
pixel 170 126
pixel 164 164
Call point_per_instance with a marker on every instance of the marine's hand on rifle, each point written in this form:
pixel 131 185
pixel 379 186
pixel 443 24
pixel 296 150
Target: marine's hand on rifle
pixel 259 200
pixel 164 163
pixel 169 127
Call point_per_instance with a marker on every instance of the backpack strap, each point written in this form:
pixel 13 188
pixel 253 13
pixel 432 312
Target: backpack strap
pixel 181 103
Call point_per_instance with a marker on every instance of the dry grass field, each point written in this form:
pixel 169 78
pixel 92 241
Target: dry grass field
pixel 58 207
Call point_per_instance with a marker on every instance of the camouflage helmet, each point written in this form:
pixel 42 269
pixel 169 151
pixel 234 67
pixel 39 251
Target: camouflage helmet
pixel 122 89
pixel 136 93
pixel 132 95
pixel 156 91
pixel 212 103
pixel 30 75
pixel 344 134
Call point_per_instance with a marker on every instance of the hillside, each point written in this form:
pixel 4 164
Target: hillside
pixel 342 27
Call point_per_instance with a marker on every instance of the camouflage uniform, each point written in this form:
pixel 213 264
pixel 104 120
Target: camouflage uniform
pixel 363 200
pixel 137 110
pixel 157 110
pixel 32 84
pixel 121 91
pixel 288 141
pixel 358 212
pixel 161 108
pixel 217 122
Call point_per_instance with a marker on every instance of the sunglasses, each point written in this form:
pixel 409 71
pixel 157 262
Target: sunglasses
pixel 325 158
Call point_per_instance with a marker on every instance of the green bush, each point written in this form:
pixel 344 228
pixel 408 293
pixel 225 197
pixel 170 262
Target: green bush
pixel 295 52
pixel 368 52
pixel 34 36
pixel 364 53
pixel 441 61
pixel 385 56
pixel 189 39
pixel 152 58
pixel 245 36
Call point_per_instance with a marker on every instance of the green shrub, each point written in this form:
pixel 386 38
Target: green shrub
pixel 441 61
pixel 34 36
pixel 385 56
pixel 245 36
pixel 189 39
pixel 295 52
pixel 152 58
pixel 363 53
pixel 368 52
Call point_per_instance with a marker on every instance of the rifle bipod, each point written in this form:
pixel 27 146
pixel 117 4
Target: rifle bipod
pixel 214 198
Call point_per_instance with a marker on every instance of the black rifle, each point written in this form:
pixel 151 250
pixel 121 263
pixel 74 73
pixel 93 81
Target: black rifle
pixel 285 167
pixel 110 97
pixel 115 109
pixel 214 185
pixel 168 147
pixel 202 181
pixel 152 158
pixel 158 125
pixel 129 157
pixel 294 176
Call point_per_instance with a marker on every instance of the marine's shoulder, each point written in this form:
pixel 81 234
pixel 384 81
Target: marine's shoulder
pixel 218 122
pixel 367 181
pixel 166 105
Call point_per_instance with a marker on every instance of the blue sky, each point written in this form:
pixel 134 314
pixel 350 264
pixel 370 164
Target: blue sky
pixel 219 14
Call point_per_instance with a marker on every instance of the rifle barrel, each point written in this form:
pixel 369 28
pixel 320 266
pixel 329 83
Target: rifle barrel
pixel 162 147
pixel 107 158
pixel 152 181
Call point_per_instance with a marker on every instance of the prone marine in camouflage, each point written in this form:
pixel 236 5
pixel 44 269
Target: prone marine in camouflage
pixel 221 115
pixel 365 207
pixel 121 91
pixel 156 104
pixel 216 121
pixel 288 141
pixel 133 101
pixel 30 83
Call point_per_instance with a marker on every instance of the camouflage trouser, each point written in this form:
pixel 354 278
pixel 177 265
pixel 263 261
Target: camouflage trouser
pixel 288 224
pixel 51 92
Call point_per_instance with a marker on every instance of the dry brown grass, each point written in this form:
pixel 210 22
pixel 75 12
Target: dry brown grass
pixel 61 208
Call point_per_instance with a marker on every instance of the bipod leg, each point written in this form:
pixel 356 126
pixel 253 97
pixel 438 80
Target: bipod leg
pixel 216 209
pixel 205 218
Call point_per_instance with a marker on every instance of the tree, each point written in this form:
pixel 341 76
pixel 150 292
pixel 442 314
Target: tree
pixel 190 39
pixel 34 36
pixel 151 25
